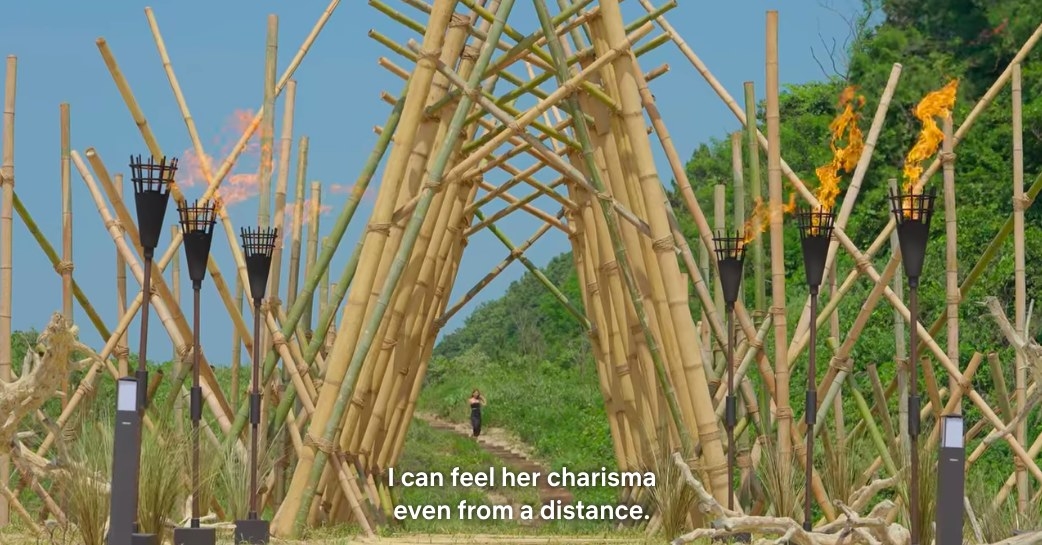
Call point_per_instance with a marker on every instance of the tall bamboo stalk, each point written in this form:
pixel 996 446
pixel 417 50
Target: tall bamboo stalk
pixel 774 185
pixel 175 283
pixel 236 362
pixel 122 350
pixel 900 352
pixel 67 263
pixel 267 137
pixel 738 179
pixel 314 207
pixel 281 184
pixel 298 221
pixel 1019 279
pixel 951 256
pixel 756 194
pixel 285 521
pixel 6 244
pixel 720 221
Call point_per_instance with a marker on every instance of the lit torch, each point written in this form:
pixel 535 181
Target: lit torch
pixel 844 159
pixel 936 104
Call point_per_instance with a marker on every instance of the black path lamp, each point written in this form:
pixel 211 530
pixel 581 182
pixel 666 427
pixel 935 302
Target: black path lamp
pixel 257 246
pixel 152 181
pixel 913 212
pixel 815 226
pixel 197 223
pixel 730 256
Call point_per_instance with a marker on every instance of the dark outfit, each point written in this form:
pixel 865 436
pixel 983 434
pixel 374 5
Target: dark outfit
pixel 475 418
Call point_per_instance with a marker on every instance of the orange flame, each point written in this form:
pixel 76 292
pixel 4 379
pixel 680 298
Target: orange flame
pixel 938 103
pixel 843 158
pixel 760 218
pixel 236 187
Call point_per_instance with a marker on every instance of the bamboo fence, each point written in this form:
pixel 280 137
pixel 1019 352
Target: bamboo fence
pixel 348 352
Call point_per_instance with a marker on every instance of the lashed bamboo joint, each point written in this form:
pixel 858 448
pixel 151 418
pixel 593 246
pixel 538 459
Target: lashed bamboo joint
pixel 351 372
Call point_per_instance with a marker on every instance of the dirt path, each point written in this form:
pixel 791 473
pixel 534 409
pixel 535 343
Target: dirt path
pixel 514 454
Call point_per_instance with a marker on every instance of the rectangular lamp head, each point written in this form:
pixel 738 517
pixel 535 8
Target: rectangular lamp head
pixel 126 394
pixel 951 431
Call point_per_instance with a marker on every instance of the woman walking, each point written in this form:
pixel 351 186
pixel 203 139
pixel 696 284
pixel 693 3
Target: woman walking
pixel 476 401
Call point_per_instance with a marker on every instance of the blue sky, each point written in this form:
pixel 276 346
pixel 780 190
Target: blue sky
pixel 217 51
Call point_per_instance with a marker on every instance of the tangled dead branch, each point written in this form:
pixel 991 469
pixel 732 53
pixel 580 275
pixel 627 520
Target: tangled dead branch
pixel 1032 353
pixel 849 528
pixel 46 364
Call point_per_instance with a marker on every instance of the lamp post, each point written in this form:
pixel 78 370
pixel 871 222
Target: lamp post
pixel 257 245
pixel 815 226
pixel 912 213
pixel 197 223
pixel 152 180
pixel 730 256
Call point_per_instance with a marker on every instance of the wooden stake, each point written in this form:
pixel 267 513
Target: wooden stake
pixel 67 263
pixel 6 246
pixel 298 221
pixel 774 185
pixel 267 137
pixel 951 260
pixel 1019 279
pixel 122 351
pixel 756 193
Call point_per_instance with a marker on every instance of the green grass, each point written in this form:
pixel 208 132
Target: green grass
pixel 559 411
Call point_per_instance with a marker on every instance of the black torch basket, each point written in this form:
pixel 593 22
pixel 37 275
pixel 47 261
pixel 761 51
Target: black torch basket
pixel 257 246
pixel 152 182
pixel 816 225
pixel 730 256
pixel 913 212
pixel 197 223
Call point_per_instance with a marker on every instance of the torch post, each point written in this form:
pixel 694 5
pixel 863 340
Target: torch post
pixel 815 227
pixel 912 213
pixel 197 222
pixel 258 245
pixel 152 181
pixel 730 258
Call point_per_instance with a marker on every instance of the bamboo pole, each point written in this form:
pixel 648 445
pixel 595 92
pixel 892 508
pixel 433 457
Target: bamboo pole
pixel 774 186
pixel 1019 278
pixel 122 350
pixel 66 191
pixel 951 255
pixel 67 262
pixel 315 206
pixel 236 363
pixel 298 221
pixel 900 353
pixel 738 179
pixel 720 220
pixel 287 520
pixel 756 193
pixel 281 183
pixel 267 127
pixel 6 245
